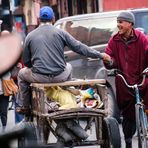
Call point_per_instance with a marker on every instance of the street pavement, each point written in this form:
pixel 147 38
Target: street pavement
pixel 11 124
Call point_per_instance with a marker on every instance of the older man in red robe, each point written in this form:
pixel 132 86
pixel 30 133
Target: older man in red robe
pixel 128 50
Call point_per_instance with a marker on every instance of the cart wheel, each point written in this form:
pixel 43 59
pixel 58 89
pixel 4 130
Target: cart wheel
pixel 113 110
pixel 29 137
pixel 112 106
pixel 111 133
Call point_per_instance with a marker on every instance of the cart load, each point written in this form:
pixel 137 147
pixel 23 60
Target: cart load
pixel 72 113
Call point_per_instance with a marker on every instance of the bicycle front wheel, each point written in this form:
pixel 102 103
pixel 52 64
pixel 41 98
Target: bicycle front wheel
pixel 142 126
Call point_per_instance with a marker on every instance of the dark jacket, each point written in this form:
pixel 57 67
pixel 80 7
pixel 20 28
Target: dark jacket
pixel 131 58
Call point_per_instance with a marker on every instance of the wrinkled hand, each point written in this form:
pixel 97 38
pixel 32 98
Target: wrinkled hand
pixel 106 58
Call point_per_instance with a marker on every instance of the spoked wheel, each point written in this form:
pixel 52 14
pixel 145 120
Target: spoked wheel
pixel 142 127
pixel 29 138
pixel 111 133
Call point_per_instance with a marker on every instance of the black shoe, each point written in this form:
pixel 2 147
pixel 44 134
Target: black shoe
pixel 23 110
pixel 64 132
pixel 76 129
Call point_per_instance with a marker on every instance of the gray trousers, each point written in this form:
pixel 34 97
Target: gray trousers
pixel 26 77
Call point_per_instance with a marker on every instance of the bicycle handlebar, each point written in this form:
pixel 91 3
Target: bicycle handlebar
pixel 135 85
pixel 132 86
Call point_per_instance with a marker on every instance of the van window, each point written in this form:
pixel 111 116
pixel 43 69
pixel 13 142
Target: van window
pixel 93 31
pixel 101 30
pixel 141 20
pixel 79 29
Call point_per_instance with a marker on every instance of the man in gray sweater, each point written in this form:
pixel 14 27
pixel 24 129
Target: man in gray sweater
pixel 44 56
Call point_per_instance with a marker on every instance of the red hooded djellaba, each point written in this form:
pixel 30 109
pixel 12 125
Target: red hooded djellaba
pixel 131 58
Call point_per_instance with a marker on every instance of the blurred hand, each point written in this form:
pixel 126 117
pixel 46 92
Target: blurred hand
pixel 106 58
pixel 10 51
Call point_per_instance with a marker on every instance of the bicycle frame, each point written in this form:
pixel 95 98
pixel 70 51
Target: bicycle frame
pixel 141 116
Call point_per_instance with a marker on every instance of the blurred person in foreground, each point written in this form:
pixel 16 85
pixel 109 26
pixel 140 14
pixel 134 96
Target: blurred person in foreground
pixel 44 57
pixel 4 96
pixel 128 50
pixel 10 51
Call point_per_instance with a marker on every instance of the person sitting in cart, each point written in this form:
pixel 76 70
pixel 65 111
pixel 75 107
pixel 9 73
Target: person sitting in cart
pixel 128 50
pixel 44 58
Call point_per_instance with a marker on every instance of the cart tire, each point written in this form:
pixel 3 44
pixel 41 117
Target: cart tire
pixel 30 135
pixel 113 110
pixel 111 133
pixel 112 107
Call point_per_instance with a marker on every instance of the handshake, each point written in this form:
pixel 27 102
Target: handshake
pixel 106 58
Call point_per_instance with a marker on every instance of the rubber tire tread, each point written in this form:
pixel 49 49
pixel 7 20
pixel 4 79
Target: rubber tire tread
pixel 112 133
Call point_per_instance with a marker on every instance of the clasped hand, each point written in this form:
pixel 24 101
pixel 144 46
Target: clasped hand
pixel 106 58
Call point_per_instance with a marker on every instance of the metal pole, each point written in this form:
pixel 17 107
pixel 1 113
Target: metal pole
pixel 100 5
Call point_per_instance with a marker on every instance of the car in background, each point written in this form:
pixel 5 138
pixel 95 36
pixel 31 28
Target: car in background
pixel 94 30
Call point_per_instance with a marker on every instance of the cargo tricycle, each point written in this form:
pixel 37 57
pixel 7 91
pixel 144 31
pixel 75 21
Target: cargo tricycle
pixel 87 124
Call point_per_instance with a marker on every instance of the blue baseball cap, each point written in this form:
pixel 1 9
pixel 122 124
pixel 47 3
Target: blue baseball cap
pixel 46 13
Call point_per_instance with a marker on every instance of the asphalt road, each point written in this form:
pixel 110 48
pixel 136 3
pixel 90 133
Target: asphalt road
pixel 11 124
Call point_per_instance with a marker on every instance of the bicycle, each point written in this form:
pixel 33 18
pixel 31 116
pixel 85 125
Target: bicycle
pixel 140 111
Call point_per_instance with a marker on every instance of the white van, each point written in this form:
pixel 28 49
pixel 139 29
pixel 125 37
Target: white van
pixel 94 30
